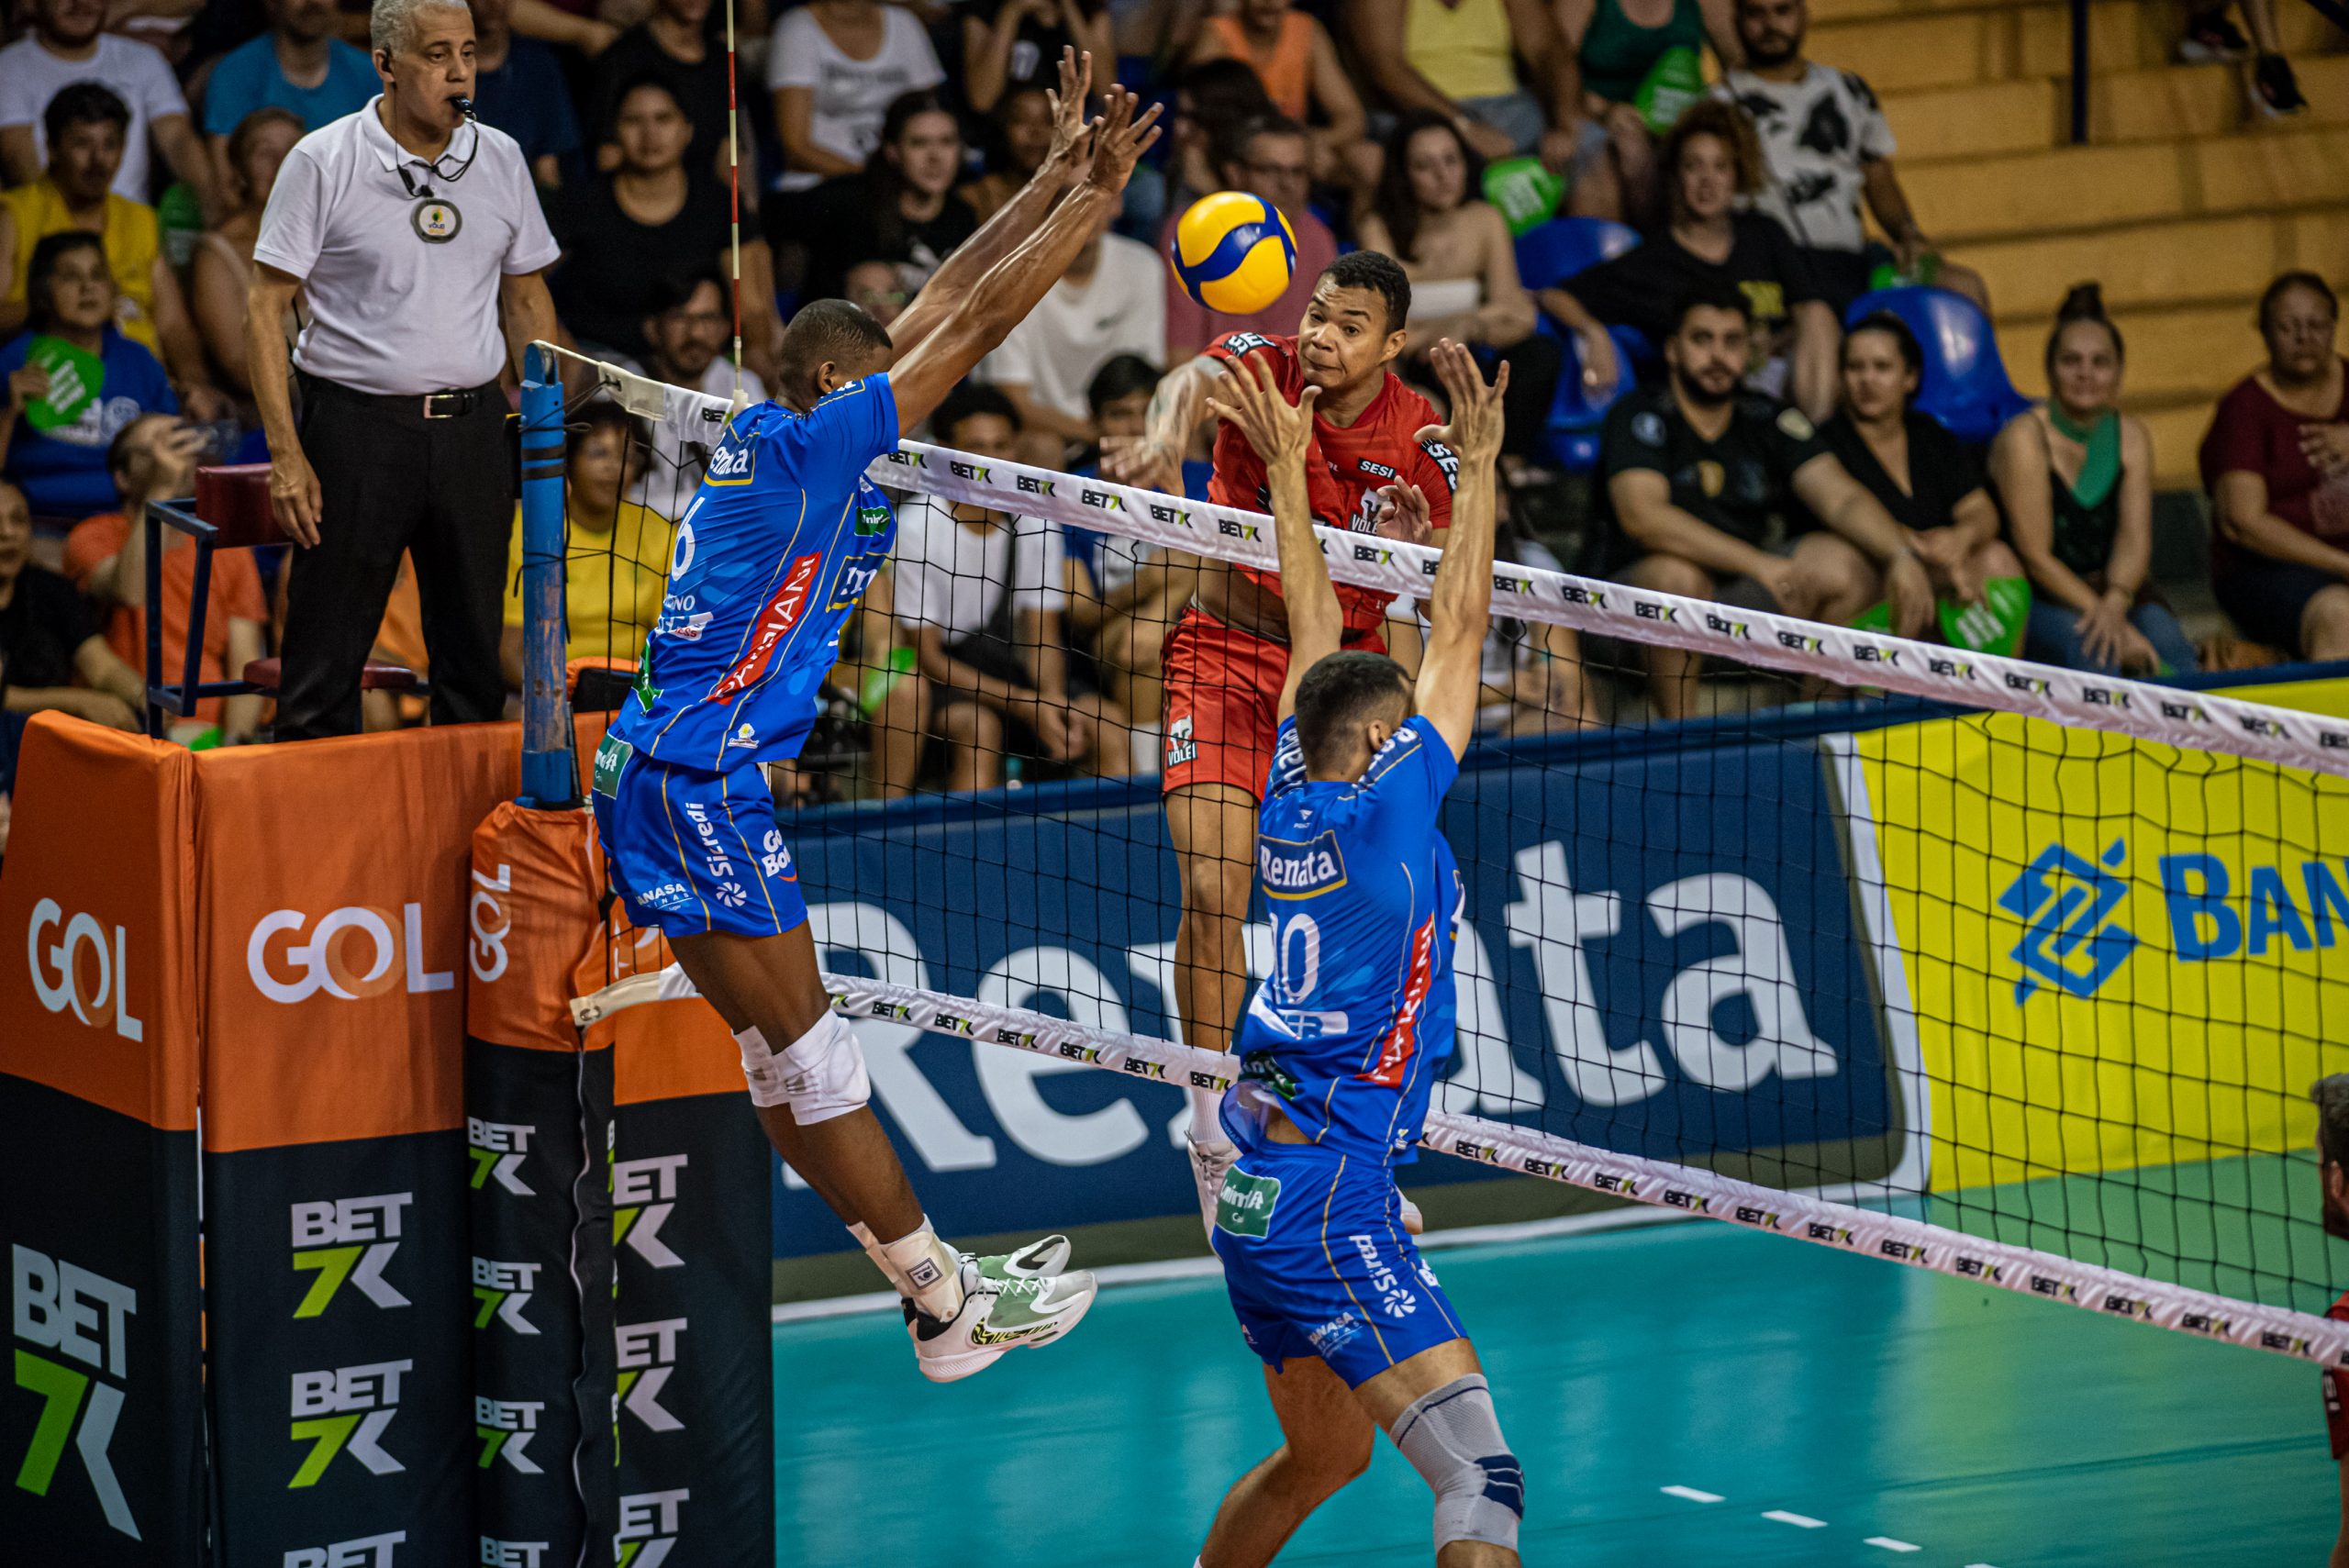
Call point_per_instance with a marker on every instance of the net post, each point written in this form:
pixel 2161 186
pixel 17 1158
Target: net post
pixel 549 774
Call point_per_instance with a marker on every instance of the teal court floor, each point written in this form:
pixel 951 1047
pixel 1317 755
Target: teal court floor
pixel 1680 1395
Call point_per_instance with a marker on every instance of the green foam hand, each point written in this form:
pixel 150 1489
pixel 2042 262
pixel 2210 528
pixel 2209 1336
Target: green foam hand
pixel 76 378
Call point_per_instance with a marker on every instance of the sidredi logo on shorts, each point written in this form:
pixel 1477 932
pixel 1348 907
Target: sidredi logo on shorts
pixel 76 968
pixel 349 954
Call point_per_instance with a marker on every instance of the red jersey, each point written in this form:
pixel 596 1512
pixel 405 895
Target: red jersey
pixel 2336 1389
pixel 1347 464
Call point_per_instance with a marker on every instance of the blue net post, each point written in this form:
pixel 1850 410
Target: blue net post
pixel 549 774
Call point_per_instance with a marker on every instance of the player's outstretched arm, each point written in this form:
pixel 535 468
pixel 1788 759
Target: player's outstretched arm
pixel 1281 432
pixel 1000 300
pixel 1018 219
pixel 1154 460
pixel 1462 603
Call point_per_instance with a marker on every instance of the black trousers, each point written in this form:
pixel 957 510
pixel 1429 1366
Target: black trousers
pixel 391 482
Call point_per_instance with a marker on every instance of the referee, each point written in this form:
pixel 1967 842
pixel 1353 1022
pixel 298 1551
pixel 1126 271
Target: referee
pixel 410 235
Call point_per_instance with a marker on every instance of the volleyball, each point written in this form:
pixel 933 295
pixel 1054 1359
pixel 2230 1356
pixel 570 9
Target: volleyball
pixel 1233 252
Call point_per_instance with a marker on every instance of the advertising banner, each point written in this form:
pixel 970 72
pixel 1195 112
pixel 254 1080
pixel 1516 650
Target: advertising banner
pixel 330 945
pixel 1658 954
pixel 101 1413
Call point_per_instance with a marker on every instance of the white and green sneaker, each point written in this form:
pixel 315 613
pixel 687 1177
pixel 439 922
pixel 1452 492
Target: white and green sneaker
pixel 998 1315
pixel 1047 1259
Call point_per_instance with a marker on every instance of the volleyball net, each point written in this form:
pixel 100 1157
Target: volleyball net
pixel 1904 948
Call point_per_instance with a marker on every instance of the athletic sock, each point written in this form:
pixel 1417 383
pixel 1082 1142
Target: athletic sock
pixel 933 1274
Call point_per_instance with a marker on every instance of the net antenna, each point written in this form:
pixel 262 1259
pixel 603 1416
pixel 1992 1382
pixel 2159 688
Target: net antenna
pixel 734 196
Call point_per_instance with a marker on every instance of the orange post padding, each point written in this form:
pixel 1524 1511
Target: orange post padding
pixel 531 922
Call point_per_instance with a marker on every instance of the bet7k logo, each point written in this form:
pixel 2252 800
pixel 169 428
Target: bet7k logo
pixel 60 1307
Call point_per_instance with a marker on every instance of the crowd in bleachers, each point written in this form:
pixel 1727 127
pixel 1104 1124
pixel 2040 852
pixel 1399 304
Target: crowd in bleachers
pixel 1680 275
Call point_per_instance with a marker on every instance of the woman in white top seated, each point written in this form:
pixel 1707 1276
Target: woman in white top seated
pixel 1455 248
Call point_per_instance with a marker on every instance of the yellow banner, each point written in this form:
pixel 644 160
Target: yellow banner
pixel 2119 954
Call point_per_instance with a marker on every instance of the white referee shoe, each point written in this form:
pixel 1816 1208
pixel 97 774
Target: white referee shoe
pixel 1210 1162
pixel 998 1315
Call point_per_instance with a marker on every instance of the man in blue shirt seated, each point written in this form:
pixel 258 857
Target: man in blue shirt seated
pixel 299 64
pixel 1342 1044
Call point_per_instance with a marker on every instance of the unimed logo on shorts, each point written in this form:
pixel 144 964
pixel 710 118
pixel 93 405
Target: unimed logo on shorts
pixel 349 953
pixel 71 1351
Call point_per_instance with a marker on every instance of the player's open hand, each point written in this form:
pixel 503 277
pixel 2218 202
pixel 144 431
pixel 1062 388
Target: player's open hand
pixel 1401 512
pixel 1474 430
pixel 1250 398
pixel 1121 138
pixel 1065 157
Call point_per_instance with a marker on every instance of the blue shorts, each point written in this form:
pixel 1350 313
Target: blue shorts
pixel 694 852
pixel 1318 1262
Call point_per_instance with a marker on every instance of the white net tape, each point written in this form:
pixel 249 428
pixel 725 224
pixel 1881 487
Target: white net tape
pixel 2194 720
pixel 1627 1177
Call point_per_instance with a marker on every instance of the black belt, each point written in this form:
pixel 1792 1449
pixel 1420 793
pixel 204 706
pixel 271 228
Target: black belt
pixel 451 405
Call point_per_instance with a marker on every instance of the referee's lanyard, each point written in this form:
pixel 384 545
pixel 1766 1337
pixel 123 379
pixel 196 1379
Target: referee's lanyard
pixel 436 219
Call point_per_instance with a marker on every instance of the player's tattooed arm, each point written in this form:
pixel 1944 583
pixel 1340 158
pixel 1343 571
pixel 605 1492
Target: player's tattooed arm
pixel 1154 460
pixel 1064 164
pixel 1282 433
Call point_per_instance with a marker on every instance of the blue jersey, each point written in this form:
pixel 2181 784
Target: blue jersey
pixel 773 553
pixel 1348 1034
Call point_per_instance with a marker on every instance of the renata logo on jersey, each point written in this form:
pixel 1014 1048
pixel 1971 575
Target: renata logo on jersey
pixel 774 623
pixel 1292 870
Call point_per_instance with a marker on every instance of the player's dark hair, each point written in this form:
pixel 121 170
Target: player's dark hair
pixel 1121 376
pixel 2332 1097
pixel 2085 303
pixel 830 329
pixel 970 400
pixel 83 103
pixel 1342 694
pixel 1710 296
pixel 1383 275
pixel 2297 279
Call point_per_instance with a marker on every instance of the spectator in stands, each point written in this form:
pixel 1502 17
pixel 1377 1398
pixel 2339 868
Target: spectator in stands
pixel 1827 147
pixel 1268 156
pixel 1291 53
pixel 2277 466
pixel 1932 486
pixel 903 209
pixel 106 558
pixel 688 333
pixel 2210 36
pixel 66 48
pixel 2076 476
pixel 1459 58
pixel 74 382
pixel 86 124
pixel 1531 670
pixel 1711 160
pixel 518 88
pixel 834 67
pixel 1020 46
pixel 1456 249
pixel 673 44
pixel 1691 474
pixel 622 232
pixel 1638 63
pixel 979 595
pixel 221 273
pixel 1212 100
pixel 877 288
pixel 1021 131
pixel 615 551
pixel 51 657
pixel 1111 301
pixel 299 65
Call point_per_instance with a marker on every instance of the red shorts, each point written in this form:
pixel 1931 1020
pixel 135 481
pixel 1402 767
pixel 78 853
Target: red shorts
pixel 1223 694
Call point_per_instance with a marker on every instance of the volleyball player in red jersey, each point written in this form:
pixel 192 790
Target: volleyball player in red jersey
pixel 1375 468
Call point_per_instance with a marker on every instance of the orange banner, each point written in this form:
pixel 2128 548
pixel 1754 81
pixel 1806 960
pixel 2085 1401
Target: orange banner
pixel 530 922
pixel 97 896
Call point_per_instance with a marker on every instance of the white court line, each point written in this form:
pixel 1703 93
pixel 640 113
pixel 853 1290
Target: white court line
pixel 1800 1521
pixel 1891 1545
pixel 1115 1275
pixel 1691 1494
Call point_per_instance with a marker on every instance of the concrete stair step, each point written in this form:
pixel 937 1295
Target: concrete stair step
pixel 2167 262
pixel 1991 118
pixel 1916 47
pixel 2074 188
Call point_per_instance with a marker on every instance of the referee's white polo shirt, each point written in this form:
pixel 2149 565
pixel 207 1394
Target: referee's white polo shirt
pixel 399 288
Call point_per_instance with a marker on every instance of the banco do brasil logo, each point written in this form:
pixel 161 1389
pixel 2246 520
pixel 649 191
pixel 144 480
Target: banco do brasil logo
pixel 2066 903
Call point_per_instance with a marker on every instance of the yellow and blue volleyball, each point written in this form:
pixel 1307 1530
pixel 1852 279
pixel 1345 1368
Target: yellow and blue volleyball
pixel 1233 252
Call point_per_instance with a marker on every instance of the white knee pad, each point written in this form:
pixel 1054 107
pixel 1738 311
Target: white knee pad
pixel 819 1075
pixel 1453 1439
